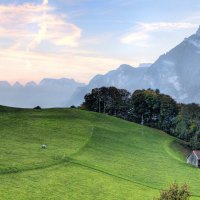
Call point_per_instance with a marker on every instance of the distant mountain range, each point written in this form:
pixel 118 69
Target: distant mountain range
pixel 48 93
pixel 175 73
pixel 124 77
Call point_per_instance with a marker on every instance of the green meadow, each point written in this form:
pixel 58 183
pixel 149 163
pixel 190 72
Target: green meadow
pixel 88 156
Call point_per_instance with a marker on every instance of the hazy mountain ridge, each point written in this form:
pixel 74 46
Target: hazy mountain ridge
pixel 175 73
pixel 48 93
pixel 124 77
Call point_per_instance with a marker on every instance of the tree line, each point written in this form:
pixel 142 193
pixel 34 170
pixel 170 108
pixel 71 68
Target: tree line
pixel 151 108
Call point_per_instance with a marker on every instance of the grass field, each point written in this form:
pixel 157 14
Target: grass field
pixel 89 156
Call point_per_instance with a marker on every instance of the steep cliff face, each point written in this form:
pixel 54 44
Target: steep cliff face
pixel 177 72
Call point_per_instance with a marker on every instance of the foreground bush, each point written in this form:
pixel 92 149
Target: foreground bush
pixel 175 193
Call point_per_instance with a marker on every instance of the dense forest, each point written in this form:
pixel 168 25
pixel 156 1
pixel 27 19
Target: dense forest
pixel 151 108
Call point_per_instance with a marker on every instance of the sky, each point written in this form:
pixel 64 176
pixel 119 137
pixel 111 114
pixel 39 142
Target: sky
pixel 81 38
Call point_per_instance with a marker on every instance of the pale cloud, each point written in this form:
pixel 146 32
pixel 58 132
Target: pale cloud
pixel 35 23
pixel 136 37
pixel 143 31
pixel 163 26
pixel 70 63
pixel 45 2
pixel 28 26
pixel 194 17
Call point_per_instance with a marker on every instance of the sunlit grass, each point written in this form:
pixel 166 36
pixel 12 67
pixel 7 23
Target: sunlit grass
pixel 88 156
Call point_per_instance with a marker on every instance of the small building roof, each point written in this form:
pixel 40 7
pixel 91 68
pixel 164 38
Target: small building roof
pixel 197 154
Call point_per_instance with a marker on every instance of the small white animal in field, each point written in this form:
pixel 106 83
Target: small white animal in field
pixel 44 146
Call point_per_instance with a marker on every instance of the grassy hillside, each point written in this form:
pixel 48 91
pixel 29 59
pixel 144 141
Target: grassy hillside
pixel 88 156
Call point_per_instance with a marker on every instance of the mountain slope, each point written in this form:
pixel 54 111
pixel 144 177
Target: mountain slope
pixel 88 155
pixel 124 77
pixel 175 73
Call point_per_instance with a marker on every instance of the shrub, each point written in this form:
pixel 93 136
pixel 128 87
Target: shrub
pixel 37 108
pixel 175 192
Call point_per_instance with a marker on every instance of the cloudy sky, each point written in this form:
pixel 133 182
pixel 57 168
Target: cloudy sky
pixel 81 38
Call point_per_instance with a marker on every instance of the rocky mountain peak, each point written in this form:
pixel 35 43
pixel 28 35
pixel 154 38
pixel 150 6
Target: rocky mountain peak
pixel 125 66
pixel 18 85
pixel 198 32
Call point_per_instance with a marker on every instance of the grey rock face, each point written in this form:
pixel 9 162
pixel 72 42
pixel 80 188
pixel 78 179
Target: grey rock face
pixel 177 72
